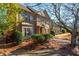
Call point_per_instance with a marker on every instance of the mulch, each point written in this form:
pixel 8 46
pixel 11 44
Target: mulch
pixel 9 48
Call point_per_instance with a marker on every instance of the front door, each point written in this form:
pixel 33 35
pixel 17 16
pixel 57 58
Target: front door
pixel 41 30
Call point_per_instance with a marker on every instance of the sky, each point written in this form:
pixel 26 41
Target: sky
pixel 39 7
pixel 49 8
pixel 44 6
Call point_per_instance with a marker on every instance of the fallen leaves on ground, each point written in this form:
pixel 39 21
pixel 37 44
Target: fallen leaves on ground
pixel 39 47
pixel 6 51
pixel 50 44
pixel 54 44
pixel 76 50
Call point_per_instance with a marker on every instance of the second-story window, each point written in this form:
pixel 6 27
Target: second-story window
pixel 27 17
pixel 31 18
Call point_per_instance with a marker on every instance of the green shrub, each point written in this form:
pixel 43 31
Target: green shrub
pixel 35 36
pixel 16 36
pixel 47 36
pixel 39 39
pixel 63 30
pixel 52 32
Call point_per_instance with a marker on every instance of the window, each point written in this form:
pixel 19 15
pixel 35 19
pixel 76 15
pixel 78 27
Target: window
pixel 27 17
pixel 27 32
pixel 31 18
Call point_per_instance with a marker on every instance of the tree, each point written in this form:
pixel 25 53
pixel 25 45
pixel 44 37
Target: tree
pixel 73 9
pixel 3 23
pixel 10 19
pixel 67 15
pixel 13 10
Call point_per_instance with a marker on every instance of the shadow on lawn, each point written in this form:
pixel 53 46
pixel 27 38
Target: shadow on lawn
pixel 44 52
pixel 22 50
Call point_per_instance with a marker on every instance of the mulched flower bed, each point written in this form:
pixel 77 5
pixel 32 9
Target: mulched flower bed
pixel 10 48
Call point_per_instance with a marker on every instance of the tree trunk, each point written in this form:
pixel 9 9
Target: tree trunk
pixel 73 39
pixel 74 32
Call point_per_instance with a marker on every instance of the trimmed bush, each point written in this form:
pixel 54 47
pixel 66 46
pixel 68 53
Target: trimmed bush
pixel 16 36
pixel 35 36
pixel 41 38
pixel 47 36
pixel 38 38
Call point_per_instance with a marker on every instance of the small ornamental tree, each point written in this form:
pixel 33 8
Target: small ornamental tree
pixel 16 36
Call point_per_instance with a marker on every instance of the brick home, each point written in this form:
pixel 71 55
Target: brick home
pixel 34 22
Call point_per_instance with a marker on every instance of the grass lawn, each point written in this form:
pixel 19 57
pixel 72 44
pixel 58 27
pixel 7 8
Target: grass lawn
pixel 66 36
